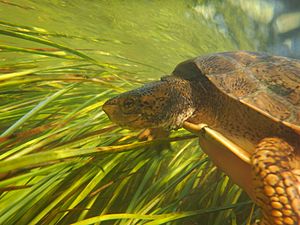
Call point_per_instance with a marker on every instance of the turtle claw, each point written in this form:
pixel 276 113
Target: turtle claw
pixel 150 134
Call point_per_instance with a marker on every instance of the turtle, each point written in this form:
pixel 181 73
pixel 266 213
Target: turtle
pixel 248 99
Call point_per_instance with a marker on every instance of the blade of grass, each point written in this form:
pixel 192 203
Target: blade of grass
pixel 34 173
pixel 58 54
pixel 158 219
pixel 35 110
pixel 17 74
pixel 16 209
pixel 46 42
pixel 42 157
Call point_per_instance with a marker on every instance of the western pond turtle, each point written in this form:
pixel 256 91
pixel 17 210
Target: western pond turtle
pixel 252 100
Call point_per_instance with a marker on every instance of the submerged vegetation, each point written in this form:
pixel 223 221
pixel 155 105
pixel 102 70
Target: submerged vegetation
pixel 63 162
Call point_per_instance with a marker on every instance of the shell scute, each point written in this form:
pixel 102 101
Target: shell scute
pixel 246 58
pixel 281 78
pixel 269 104
pixel 214 64
pixel 236 83
pixel 269 84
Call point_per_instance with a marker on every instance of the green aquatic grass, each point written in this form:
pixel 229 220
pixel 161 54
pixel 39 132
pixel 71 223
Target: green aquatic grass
pixel 63 162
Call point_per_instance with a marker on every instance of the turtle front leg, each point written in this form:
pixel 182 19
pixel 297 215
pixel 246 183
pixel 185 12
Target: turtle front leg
pixel 277 184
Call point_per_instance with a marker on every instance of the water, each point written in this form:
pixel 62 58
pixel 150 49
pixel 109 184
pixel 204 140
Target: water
pixel 155 33
pixel 144 40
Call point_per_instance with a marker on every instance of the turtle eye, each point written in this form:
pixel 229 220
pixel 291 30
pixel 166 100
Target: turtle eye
pixel 128 104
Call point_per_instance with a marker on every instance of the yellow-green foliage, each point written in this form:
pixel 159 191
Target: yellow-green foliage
pixel 63 162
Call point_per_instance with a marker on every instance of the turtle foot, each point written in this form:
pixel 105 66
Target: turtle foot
pixel 277 186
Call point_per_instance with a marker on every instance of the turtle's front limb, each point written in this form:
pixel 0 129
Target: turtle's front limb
pixel 276 182
pixel 155 133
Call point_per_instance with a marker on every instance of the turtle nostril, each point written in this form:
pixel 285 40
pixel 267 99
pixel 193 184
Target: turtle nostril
pixel 105 108
pixel 109 107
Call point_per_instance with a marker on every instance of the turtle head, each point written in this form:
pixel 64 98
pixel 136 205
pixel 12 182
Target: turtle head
pixel 166 103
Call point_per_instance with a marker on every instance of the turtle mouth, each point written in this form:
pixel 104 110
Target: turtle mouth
pixel 130 124
pixel 132 121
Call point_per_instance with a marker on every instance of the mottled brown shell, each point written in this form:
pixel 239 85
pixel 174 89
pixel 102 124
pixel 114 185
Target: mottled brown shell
pixel 268 84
